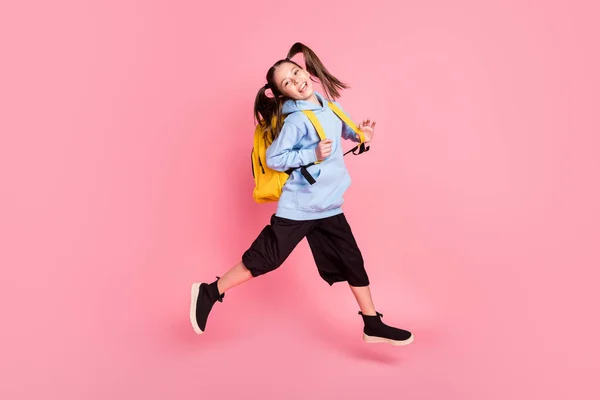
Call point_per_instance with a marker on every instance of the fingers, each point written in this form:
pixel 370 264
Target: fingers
pixel 326 145
pixel 324 148
pixel 367 122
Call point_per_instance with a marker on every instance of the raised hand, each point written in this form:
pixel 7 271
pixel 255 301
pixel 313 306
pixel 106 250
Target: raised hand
pixel 368 128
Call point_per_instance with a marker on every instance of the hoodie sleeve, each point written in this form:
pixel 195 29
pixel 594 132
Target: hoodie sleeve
pixel 282 154
pixel 347 132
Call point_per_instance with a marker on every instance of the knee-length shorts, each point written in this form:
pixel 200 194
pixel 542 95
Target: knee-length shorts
pixel 331 241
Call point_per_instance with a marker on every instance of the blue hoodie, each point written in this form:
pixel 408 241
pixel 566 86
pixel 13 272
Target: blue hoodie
pixel 295 146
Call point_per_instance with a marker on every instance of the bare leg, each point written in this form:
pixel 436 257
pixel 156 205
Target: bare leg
pixel 235 276
pixel 363 297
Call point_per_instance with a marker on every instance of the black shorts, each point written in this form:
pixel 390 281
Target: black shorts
pixel 331 241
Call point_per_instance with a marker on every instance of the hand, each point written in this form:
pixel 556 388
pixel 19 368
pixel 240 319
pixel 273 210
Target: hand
pixel 368 128
pixel 323 149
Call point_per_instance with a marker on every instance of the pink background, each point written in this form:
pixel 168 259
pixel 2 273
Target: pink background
pixel 125 176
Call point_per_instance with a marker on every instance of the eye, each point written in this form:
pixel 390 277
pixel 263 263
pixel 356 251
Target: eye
pixel 296 72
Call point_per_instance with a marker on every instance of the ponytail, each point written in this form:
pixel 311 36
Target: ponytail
pixel 331 84
pixel 265 109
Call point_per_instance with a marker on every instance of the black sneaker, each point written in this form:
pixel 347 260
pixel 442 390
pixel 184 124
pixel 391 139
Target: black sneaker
pixel 377 332
pixel 204 297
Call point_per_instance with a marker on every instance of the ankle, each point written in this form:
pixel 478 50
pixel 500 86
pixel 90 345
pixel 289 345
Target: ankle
pixel 215 293
pixel 369 313
pixel 372 320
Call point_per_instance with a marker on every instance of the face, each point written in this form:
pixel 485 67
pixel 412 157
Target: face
pixel 293 82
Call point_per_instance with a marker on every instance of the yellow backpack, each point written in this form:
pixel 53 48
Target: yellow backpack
pixel 268 182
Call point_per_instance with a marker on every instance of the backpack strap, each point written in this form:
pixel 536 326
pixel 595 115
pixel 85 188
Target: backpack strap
pixel 303 169
pixel 315 121
pixel 313 118
pixel 361 147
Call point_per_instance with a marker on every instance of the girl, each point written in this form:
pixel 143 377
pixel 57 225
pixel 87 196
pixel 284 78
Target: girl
pixel 304 210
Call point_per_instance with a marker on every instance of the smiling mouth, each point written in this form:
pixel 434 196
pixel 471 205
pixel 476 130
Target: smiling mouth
pixel 303 86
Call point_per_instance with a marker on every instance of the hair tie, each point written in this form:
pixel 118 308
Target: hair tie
pixel 266 85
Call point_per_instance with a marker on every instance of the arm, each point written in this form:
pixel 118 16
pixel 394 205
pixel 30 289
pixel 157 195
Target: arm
pixel 281 154
pixel 367 127
pixel 347 132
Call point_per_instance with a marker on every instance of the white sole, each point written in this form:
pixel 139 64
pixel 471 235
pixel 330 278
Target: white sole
pixel 195 292
pixel 375 339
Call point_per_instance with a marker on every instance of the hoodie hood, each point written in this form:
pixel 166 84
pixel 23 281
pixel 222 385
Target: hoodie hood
pixel 291 106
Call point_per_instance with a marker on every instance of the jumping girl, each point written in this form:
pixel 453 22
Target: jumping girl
pixel 304 210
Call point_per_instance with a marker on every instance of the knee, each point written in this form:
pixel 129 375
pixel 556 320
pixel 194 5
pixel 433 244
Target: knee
pixel 258 265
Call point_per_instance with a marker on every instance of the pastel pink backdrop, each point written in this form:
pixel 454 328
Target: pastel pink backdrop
pixel 125 160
